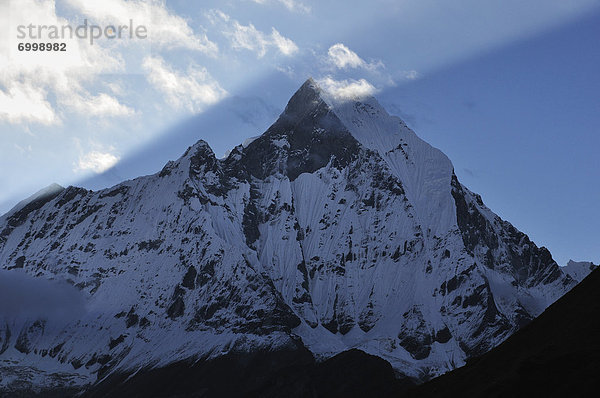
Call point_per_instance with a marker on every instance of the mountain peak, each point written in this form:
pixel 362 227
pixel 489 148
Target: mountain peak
pixel 305 137
pixel 305 101
pixel 361 115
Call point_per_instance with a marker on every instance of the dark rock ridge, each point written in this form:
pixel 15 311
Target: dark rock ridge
pixel 284 373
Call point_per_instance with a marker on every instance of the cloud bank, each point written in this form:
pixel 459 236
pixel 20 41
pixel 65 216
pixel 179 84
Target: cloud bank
pixel 25 297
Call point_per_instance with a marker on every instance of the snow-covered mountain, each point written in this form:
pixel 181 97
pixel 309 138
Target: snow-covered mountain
pixel 338 228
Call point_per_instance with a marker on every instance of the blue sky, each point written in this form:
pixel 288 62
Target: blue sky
pixel 509 90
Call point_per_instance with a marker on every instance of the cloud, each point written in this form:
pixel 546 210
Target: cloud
pixel 98 105
pixel 24 296
pixel 285 45
pixel 291 5
pixel 295 5
pixel 165 29
pixel 115 87
pixel 342 57
pixel 45 88
pixel 191 91
pixel 346 89
pixel 40 87
pixel 97 162
pixel 25 103
pixel 411 74
pixel 247 37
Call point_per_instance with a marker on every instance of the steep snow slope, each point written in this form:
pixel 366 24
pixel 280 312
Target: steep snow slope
pixel 338 225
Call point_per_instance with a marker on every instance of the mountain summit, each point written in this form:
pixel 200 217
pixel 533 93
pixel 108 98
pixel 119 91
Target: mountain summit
pixel 337 228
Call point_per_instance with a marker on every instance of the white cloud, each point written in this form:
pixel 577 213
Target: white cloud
pixel 295 5
pixel 342 57
pixel 101 105
pixel 285 45
pixel 96 161
pixel 346 89
pixel 247 37
pixel 191 91
pixel 291 5
pixel 23 103
pixel 165 29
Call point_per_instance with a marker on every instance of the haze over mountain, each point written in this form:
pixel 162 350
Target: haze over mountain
pixel 336 229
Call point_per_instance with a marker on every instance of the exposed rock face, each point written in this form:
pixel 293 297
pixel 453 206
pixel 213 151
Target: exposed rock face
pixel 338 226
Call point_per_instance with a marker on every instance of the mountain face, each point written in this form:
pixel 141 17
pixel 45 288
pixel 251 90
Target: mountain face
pixel 337 228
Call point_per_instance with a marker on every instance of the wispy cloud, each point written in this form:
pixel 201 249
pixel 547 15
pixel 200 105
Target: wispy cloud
pixel 291 5
pixel 411 74
pixel 101 105
pixel 285 45
pixel 191 91
pixel 247 37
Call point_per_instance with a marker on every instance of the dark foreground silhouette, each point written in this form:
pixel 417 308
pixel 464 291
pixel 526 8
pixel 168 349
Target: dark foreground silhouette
pixel 291 373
